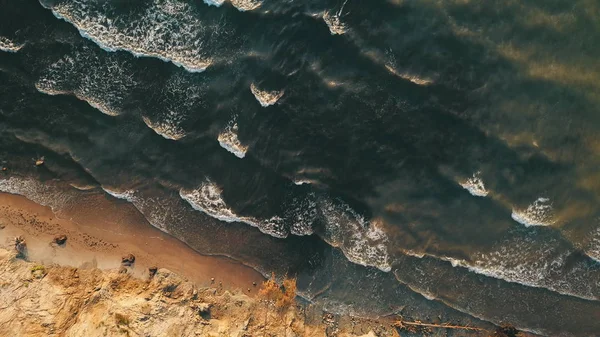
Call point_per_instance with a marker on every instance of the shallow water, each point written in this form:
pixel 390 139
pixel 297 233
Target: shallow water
pixel 448 148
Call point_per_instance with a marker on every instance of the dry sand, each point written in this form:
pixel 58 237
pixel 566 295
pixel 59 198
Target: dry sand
pixel 100 236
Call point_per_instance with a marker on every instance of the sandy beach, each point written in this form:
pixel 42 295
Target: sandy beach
pixel 100 235
pixel 84 277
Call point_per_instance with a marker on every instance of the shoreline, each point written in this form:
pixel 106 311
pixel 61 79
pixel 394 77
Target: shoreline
pixel 99 237
pixel 105 297
pixel 94 240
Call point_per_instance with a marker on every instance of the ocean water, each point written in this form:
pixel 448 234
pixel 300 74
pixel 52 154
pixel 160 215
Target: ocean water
pixel 417 157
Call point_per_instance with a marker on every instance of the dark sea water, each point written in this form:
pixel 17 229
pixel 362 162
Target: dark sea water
pixel 417 157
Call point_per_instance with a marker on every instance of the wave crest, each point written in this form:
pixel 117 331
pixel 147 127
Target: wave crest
pixel 46 194
pixel 266 98
pixel 475 185
pixel 167 30
pixel 9 46
pixel 228 139
pixel 361 241
pixel 539 213
pixel 103 82
pixel 334 22
pixel 167 128
pixel 208 199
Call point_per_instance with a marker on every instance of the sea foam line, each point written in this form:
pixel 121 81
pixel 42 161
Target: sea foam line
pixel 517 275
pixel 475 185
pixel 94 103
pixel 166 129
pixel 432 297
pixel 539 213
pixel 208 199
pixel 137 52
pixel 228 139
pixel 9 46
pixel 264 97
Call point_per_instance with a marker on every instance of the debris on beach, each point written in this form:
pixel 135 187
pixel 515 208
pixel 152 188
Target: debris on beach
pixel 128 260
pixel 427 328
pixel 20 245
pixel 60 239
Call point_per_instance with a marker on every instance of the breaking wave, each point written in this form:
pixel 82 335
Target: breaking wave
pixel 94 103
pixel 181 96
pixel 241 5
pixel 593 247
pixel 157 211
pixel 46 194
pixel 103 82
pixel 334 22
pixel 266 98
pixel 167 30
pixel 228 139
pixel 167 128
pixel 361 241
pixel 9 46
pixel 540 213
pixel 540 273
pixel 208 199
pixel 475 185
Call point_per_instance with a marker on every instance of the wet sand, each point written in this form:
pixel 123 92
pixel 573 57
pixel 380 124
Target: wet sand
pixel 100 230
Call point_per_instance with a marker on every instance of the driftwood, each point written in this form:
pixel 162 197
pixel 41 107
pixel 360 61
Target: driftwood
pixel 400 324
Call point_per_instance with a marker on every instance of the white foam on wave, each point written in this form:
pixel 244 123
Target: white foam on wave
pixel 266 98
pixel 539 213
pixel 241 5
pixel 153 209
pixel 103 82
pixel 94 103
pixel 125 195
pixel 208 199
pixel 408 76
pixel 216 3
pixel 151 35
pixel 301 213
pixel 82 187
pixel 475 185
pixel 303 182
pixel 9 46
pixel 182 95
pixel 334 22
pixel 389 61
pixel 525 261
pixel 246 5
pixel 228 139
pixel 361 241
pixel 593 247
pixel 45 194
pixel 166 128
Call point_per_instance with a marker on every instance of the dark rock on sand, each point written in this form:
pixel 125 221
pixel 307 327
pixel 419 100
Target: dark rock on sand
pixel 20 245
pixel 128 259
pixel 60 239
